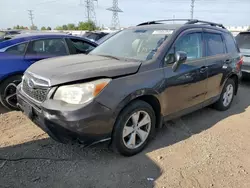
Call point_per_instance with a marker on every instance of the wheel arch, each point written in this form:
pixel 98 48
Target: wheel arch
pixel 147 95
pixel 236 81
pixel 10 75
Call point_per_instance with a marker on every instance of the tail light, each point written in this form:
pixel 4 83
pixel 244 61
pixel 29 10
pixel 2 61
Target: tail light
pixel 239 64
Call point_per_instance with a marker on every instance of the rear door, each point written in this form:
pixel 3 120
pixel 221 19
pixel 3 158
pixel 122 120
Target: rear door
pixel 45 48
pixel 218 61
pixel 186 87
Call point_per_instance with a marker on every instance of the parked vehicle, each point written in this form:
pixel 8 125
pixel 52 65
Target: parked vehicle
pixel 94 35
pixel 106 37
pixel 17 54
pixel 243 40
pixel 127 86
pixel 7 34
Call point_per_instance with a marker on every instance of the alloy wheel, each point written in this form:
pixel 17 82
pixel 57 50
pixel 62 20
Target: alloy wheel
pixel 136 129
pixel 9 94
pixel 228 95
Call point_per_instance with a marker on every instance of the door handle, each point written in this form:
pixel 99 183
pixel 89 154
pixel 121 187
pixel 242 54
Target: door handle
pixel 203 69
pixel 227 61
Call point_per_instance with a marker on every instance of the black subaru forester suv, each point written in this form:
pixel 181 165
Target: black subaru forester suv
pixel 133 82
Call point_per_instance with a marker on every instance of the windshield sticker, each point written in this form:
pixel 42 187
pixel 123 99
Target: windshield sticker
pixel 162 32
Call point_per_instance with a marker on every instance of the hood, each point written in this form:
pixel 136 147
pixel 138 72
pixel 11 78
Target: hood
pixel 78 67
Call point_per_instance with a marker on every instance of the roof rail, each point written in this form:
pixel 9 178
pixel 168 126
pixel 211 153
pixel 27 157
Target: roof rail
pixel 205 22
pixel 159 21
pixel 189 21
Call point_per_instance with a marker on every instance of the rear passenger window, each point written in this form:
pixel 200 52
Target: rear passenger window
pixel 230 43
pixel 17 49
pixel 214 43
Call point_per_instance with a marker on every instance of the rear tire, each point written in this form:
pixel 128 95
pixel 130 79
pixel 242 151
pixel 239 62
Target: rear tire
pixel 226 97
pixel 8 92
pixel 133 129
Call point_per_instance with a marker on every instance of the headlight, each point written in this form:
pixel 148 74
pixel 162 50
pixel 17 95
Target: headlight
pixel 80 93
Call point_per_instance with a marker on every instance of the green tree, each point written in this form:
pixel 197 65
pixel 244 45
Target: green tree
pixel 49 28
pixel 43 28
pixel 71 26
pixel 90 26
pixel 16 27
pixel 59 28
pixel 65 27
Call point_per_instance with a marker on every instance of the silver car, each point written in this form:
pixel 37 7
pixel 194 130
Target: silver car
pixel 243 40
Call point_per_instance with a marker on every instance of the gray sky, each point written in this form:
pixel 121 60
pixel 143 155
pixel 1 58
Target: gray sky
pixel 57 12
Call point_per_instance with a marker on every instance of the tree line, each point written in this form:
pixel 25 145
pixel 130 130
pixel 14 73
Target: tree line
pixel 89 25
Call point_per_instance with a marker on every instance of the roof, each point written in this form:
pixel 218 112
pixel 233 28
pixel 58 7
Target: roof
pixel 32 36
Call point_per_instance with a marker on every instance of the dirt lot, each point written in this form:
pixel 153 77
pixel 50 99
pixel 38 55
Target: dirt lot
pixel 203 149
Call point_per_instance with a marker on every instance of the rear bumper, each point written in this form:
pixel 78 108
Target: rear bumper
pixel 88 124
pixel 246 66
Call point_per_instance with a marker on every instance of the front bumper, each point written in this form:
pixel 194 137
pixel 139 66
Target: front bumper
pixel 69 123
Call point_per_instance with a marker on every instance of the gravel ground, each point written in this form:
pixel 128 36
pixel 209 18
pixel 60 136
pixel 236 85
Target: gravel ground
pixel 204 149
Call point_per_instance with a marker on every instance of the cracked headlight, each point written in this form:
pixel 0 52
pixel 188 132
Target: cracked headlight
pixel 80 93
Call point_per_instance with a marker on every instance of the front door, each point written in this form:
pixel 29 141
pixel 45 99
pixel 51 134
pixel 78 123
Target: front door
pixel 187 86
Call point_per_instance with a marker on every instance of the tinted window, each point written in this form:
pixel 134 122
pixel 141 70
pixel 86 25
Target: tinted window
pixel 230 43
pixel 17 49
pixel 48 47
pixel 190 43
pixel 81 46
pixel 215 45
pixel 243 40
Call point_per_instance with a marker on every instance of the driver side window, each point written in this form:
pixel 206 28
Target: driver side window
pixel 190 43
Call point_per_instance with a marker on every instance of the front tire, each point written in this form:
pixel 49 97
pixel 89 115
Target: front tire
pixel 8 92
pixel 133 129
pixel 226 97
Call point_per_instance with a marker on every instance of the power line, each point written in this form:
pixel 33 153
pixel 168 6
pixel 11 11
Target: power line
pixel 115 23
pixel 31 16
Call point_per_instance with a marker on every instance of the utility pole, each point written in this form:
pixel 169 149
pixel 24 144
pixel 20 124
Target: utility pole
pixel 192 9
pixel 31 16
pixel 115 23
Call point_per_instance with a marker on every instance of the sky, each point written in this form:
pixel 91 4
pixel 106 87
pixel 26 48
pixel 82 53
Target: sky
pixel 58 12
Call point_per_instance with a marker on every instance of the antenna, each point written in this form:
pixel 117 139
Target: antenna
pixel 31 16
pixel 115 23
pixel 192 9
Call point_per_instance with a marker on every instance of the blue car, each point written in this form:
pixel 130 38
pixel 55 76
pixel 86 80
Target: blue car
pixel 18 53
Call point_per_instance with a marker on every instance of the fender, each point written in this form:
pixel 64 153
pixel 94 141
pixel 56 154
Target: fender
pixel 134 95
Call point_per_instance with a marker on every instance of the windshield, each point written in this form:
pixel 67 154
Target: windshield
pixel 243 40
pixel 139 44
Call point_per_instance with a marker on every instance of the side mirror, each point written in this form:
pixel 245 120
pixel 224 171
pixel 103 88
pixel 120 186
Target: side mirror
pixel 180 58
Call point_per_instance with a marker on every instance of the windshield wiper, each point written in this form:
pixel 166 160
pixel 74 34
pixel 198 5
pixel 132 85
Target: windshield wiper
pixel 110 56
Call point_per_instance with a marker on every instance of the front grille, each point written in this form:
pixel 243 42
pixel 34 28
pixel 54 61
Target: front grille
pixel 38 94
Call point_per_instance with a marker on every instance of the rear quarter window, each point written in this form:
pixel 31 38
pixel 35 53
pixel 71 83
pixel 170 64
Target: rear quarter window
pixel 231 44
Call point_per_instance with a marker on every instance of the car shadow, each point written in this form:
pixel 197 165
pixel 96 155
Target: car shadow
pixel 45 163
pixel 3 110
